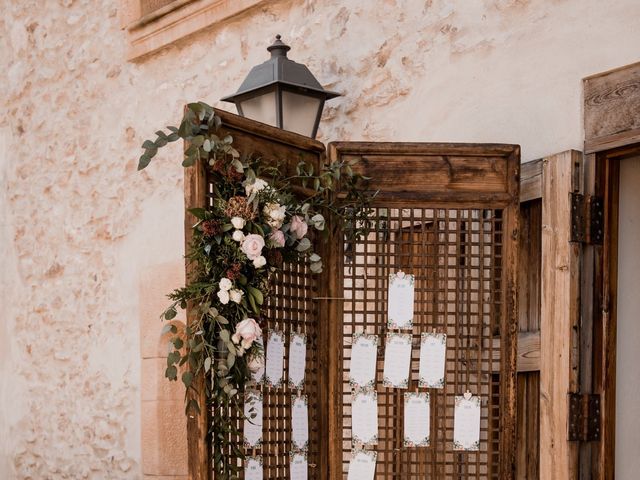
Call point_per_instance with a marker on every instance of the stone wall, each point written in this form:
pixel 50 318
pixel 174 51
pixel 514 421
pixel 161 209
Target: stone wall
pixel 79 225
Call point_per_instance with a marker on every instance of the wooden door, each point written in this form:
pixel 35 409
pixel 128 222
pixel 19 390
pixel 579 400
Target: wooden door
pixel 448 213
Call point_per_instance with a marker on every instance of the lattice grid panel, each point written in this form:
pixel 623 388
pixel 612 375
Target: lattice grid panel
pixel 455 255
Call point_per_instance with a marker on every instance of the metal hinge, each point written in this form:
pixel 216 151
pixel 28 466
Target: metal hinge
pixel 584 417
pixel 587 219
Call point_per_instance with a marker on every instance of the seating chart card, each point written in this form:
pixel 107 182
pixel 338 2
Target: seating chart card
pixel 397 360
pixel 300 422
pixel 364 356
pixel 253 468
pixel 298 465
pixel 297 360
pixel 275 359
pixel 364 418
pixel 362 465
pixel 433 356
pixel 466 423
pixel 258 375
pixel 252 431
pixel 400 305
pixel 417 421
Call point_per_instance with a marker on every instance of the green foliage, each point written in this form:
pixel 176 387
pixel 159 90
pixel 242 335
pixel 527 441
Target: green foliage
pixel 247 188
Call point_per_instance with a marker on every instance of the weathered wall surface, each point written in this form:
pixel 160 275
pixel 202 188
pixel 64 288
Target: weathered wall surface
pixel 78 224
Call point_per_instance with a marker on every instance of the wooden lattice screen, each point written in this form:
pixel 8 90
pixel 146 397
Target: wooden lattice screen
pixel 448 214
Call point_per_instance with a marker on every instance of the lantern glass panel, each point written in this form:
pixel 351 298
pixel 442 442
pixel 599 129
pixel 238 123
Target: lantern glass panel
pixel 261 108
pixel 299 112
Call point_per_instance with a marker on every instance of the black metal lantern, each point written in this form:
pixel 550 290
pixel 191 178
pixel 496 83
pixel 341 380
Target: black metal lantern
pixel 282 93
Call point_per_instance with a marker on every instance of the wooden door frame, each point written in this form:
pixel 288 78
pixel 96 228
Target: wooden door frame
pixel 612 133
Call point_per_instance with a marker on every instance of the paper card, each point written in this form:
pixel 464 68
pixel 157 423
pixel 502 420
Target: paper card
pixel 258 375
pixel 417 419
pixel 300 422
pixel 362 465
pixel 252 431
pixel 364 356
pixel 298 465
pixel 466 423
pixel 297 360
pixel 397 360
pixel 400 305
pixel 253 468
pixel 364 418
pixel 433 356
pixel 275 359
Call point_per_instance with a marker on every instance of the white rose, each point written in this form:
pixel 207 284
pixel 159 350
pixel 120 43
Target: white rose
pixel 252 246
pixel 275 214
pixel 255 187
pixel 255 363
pixel 238 236
pixel 225 284
pixel 260 262
pixel 247 331
pixel 223 296
pixel 238 223
pixel 236 295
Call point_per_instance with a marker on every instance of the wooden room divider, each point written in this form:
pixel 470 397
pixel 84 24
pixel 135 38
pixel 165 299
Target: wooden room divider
pixel 446 213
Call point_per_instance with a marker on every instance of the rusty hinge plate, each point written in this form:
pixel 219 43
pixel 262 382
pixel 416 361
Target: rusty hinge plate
pixel 587 219
pixel 584 417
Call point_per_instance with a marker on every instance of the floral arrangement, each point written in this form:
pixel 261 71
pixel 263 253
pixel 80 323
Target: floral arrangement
pixel 258 222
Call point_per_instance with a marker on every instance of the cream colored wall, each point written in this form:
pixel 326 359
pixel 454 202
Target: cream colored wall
pixel 628 353
pixel 79 224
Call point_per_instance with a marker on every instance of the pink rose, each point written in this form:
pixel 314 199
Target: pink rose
pixel 247 331
pixel 277 238
pixel 252 246
pixel 298 227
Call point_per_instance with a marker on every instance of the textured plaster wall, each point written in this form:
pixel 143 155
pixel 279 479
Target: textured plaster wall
pixel 78 224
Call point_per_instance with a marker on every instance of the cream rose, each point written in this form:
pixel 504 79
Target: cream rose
pixel 238 236
pixel 255 187
pixel 252 246
pixel 238 223
pixel 247 332
pixel 235 295
pixel 223 296
pixel 275 214
pixel 225 284
pixel 276 239
pixel 298 227
pixel 259 262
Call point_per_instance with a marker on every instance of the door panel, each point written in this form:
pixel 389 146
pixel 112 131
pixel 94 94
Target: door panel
pixel 447 213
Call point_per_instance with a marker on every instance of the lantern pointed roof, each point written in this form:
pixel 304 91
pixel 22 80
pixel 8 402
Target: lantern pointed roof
pixel 279 69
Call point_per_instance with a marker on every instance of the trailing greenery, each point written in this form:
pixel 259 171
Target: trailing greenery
pixel 261 219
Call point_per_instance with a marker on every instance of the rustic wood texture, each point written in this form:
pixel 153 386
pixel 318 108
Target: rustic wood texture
pixel 529 269
pixel 293 308
pixel 195 189
pixel 531 181
pixel 611 105
pixel 449 214
pixel 559 316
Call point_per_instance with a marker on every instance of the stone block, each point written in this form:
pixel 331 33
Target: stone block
pixel 164 438
pixel 156 282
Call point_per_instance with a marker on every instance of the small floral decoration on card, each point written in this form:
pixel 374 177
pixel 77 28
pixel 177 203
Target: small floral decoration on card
pixel 433 356
pixel 274 369
pixel 364 358
pixel 397 360
pixel 252 429
pixel 466 422
pixel 297 360
pixel 364 418
pixel 401 299
pixel 417 419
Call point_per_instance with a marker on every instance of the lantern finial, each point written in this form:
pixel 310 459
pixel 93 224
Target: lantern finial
pixel 278 48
